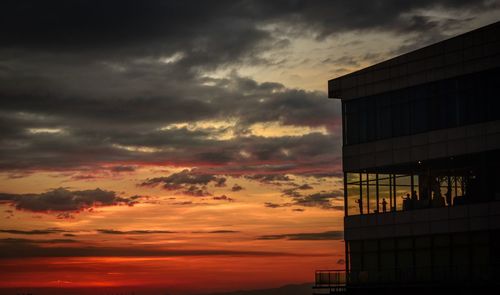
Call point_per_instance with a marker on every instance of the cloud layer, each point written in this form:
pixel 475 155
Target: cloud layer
pixel 188 182
pixel 23 248
pixel 329 235
pixel 158 82
pixel 64 200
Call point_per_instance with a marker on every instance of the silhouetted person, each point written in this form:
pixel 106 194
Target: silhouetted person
pixel 437 200
pixel 384 205
pixel 448 197
pixel 407 203
pixel 360 204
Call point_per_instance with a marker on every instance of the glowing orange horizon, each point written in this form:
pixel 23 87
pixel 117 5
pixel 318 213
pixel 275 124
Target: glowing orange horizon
pixel 170 239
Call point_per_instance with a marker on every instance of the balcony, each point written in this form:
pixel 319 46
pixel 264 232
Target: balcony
pixel 330 282
pixel 474 217
pixel 337 282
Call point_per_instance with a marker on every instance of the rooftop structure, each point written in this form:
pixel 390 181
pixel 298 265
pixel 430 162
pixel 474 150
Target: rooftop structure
pixel 421 158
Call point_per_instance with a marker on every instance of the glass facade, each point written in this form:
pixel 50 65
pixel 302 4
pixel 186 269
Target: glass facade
pixel 379 193
pixel 431 258
pixel 447 103
pixel 438 183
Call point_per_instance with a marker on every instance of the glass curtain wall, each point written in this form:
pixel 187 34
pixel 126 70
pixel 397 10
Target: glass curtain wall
pixel 449 257
pixel 369 193
pixel 376 193
pixel 454 102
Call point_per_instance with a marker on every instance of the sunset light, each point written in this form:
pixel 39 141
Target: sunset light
pixel 189 147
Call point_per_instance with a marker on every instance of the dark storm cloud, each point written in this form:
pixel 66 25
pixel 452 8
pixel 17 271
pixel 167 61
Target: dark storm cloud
pixel 223 231
pixel 62 199
pixel 34 231
pixel 320 199
pixel 223 198
pixel 276 205
pixel 294 192
pixel 276 179
pixel 78 25
pixel 189 182
pixel 86 83
pixel 179 180
pixel 149 28
pixel 236 188
pixel 290 106
pixel 122 168
pixel 133 232
pixel 329 235
pixel 196 191
pixel 102 127
pixel 304 186
pixel 30 241
pixel 220 182
pixel 27 249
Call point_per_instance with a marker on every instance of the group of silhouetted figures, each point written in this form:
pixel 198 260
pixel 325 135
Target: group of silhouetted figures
pixel 383 205
pixel 412 201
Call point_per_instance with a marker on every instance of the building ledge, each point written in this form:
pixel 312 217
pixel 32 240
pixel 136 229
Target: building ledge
pixel 464 218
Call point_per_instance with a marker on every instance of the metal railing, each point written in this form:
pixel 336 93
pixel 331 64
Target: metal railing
pixel 452 274
pixel 330 278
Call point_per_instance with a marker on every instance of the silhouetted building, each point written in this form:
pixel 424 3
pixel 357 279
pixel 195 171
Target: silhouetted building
pixel 421 161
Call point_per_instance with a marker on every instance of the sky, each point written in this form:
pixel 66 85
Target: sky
pixel 186 146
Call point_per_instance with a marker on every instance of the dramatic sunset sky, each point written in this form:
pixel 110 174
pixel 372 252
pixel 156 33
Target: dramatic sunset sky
pixel 186 146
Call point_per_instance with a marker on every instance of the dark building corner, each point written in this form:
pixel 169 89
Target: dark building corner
pixel 421 161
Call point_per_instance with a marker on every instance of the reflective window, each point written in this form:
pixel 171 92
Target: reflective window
pixel 353 194
pixel 447 103
pixel 442 257
pixel 369 193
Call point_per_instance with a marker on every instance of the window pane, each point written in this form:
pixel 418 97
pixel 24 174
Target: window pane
pixel 403 192
pixel 384 193
pixel 353 194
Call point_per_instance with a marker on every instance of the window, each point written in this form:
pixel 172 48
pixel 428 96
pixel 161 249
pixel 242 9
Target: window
pixel 447 103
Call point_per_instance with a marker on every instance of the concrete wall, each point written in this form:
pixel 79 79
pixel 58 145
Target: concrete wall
pixel 475 217
pixel 471 52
